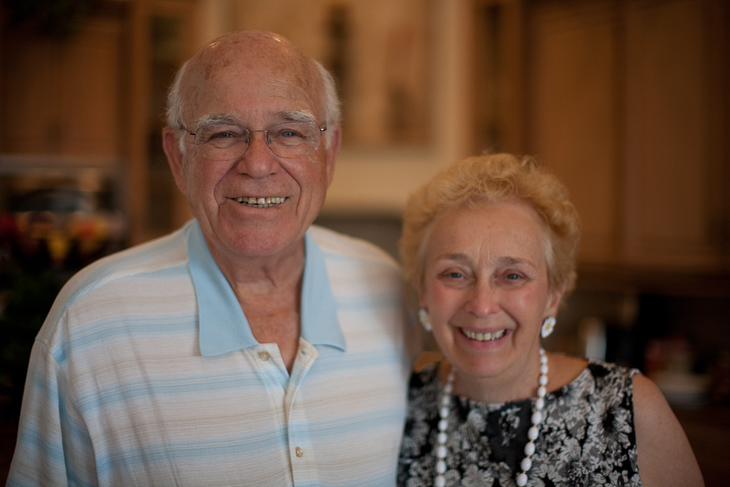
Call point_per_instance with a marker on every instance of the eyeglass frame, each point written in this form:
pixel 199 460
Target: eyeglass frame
pixel 267 139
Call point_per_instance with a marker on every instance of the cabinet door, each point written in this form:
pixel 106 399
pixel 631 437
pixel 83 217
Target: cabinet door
pixel 672 107
pixel 627 102
pixel 573 111
pixel 62 96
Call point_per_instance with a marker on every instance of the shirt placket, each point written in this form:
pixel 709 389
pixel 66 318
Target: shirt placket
pixel 301 451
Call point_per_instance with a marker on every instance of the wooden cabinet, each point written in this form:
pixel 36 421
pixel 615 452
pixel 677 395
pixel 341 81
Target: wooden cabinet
pixel 163 35
pixel 628 103
pixel 675 132
pixel 95 99
pixel 63 95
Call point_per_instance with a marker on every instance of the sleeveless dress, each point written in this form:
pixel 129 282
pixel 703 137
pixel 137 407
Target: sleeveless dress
pixel 587 437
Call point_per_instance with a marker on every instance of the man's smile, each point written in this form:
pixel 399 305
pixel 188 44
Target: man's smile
pixel 260 202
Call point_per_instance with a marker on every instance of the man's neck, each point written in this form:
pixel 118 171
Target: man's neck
pixel 269 292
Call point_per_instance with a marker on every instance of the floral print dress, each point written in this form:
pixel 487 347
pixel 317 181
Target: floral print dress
pixel 587 437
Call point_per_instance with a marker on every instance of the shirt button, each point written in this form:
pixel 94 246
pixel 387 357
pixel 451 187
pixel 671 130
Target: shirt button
pixel 264 356
pixel 300 452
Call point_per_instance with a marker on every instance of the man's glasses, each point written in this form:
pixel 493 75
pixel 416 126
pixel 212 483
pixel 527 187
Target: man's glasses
pixel 225 142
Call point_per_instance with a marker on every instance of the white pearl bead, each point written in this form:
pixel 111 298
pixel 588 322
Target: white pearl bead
pixel 529 448
pixel 532 433
pixel 522 480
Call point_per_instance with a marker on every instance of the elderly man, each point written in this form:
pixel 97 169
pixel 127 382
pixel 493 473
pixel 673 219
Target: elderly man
pixel 247 348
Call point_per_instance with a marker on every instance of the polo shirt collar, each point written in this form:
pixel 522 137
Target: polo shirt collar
pixel 223 327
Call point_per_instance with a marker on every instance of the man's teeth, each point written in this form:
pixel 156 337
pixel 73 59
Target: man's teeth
pixel 260 202
pixel 485 337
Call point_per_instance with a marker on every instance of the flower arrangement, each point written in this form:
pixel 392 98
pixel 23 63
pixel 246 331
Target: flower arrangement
pixel 39 251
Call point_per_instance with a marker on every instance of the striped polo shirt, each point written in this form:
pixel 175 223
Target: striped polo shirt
pixel 146 373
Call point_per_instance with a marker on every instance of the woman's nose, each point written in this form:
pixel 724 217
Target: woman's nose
pixel 483 299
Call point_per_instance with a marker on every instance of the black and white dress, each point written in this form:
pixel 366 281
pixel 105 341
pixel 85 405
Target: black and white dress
pixel 587 437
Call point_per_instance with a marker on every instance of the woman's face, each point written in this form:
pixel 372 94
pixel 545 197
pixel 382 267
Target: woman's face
pixel 486 289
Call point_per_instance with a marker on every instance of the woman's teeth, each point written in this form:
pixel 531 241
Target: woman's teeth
pixel 260 202
pixel 484 337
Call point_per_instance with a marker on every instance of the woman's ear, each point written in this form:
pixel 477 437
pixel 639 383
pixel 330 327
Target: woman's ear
pixel 554 299
pixel 420 297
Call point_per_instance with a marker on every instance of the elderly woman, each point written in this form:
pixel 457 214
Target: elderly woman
pixel 490 247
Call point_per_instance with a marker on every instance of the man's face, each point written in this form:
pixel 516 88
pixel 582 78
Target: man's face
pixel 242 85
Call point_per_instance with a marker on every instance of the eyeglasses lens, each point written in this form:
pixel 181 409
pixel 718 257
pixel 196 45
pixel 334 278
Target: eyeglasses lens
pixel 287 139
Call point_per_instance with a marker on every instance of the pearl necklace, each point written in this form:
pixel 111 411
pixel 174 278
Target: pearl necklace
pixel 532 433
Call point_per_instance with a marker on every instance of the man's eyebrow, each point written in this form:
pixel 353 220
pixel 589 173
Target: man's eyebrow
pixel 228 119
pixel 296 116
pixel 215 119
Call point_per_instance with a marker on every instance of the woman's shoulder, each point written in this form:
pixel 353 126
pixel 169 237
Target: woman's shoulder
pixel 564 370
pixel 665 454
pixel 573 373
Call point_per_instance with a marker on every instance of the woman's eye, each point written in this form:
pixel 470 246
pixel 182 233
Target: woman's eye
pixel 452 275
pixel 514 279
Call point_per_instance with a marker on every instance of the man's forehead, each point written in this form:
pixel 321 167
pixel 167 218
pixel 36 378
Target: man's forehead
pixel 237 67
pixel 249 53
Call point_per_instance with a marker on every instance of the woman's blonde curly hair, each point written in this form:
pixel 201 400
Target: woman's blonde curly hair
pixel 494 179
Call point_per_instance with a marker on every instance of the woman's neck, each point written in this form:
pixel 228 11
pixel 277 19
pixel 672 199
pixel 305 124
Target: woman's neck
pixel 505 387
pixel 521 385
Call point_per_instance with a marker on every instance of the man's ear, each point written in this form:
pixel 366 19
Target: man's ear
pixel 332 151
pixel 171 144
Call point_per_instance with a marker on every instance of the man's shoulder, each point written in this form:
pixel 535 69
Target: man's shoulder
pixel 157 255
pixel 335 244
pixel 163 252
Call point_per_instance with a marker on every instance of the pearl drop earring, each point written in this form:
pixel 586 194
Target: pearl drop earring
pixel 425 319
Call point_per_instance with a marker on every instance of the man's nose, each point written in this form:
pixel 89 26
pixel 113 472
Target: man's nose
pixel 258 160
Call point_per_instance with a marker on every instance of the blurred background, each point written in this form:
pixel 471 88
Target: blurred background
pixel 627 101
